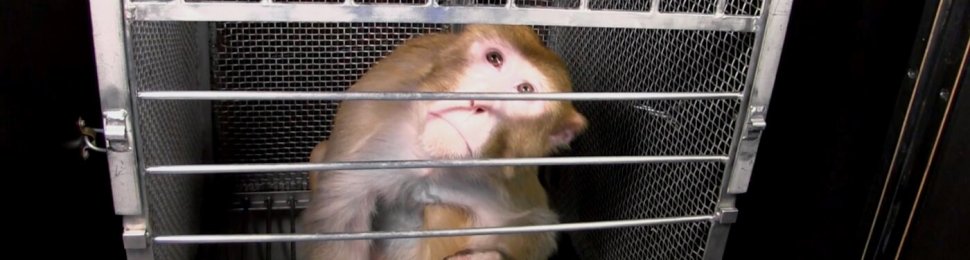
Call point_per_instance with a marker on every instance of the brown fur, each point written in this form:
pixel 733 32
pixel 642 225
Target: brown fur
pixel 430 63
pixel 316 156
pixel 523 184
pixel 444 217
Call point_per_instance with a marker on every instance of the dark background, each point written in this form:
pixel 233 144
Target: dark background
pixel 48 80
pixel 821 159
pixel 815 186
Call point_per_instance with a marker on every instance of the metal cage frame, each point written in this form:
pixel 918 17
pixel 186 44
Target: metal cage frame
pixel 112 22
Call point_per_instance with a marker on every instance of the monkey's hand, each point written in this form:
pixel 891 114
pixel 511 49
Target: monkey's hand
pixel 469 254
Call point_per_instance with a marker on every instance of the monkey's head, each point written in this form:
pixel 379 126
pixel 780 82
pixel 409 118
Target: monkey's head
pixel 498 59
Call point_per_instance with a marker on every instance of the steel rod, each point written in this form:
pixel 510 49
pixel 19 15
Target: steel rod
pixel 209 239
pixel 321 12
pixel 406 164
pixel 293 95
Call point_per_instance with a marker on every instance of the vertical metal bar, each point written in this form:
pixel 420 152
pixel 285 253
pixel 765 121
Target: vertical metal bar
pixel 769 39
pixel 202 38
pixel 254 226
pixel 720 7
pixel 134 138
pixel 110 32
pixel 269 225
pixel 245 226
pixel 654 6
pixel 107 22
pixel 758 97
pixel 284 246
pixel 136 245
pixel 292 203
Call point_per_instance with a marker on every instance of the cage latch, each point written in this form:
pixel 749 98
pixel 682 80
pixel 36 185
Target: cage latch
pixel 746 150
pixel 116 127
pixel 756 123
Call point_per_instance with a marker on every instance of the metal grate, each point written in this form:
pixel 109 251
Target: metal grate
pixel 636 192
pixel 250 1
pixel 331 56
pixel 309 1
pixel 661 61
pixel 667 242
pixel 641 61
pixel 472 2
pixel 312 57
pixel 734 7
pixel 743 7
pixel 169 56
pixel 620 5
pixel 548 3
pixel 411 2
pixel 655 60
pixel 688 6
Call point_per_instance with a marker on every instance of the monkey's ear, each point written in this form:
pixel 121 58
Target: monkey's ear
pixel 572 125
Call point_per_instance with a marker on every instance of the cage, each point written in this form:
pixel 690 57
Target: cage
pixel 209 124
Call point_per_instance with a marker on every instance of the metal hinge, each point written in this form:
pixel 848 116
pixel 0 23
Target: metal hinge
pixel 726 216
pixel 135 239
pixel 747 149
pixel 116 130
pixel 135 235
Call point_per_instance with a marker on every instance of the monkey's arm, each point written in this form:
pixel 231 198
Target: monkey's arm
pixel 343 203
pixel 438 216
pixel 516 198
pixel 316 156
pixel 527 193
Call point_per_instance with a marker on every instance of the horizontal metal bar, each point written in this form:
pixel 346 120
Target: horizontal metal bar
pixel 318 12
pixel 372 165
pixel 268 238
pixel 292 95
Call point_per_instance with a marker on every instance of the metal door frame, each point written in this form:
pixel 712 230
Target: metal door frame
pixel 111 22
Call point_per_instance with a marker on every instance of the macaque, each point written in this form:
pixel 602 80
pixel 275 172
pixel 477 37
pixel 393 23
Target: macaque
pixel 481 58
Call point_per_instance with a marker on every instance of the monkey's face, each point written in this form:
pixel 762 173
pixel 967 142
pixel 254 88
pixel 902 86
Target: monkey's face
pixel 495 63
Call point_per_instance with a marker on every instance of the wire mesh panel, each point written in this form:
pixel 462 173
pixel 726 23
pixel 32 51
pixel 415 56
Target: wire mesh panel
pixel 630 60
pixel 311 57
pixel 646 47
pixel 620 5
pixel 472 2
pixel 548 3
pixel 688 6
pixel 170 56
pixel 317 57
pixel 743 7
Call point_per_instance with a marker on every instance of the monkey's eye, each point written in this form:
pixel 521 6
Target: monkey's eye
pixel 495 58
pixel 525 88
